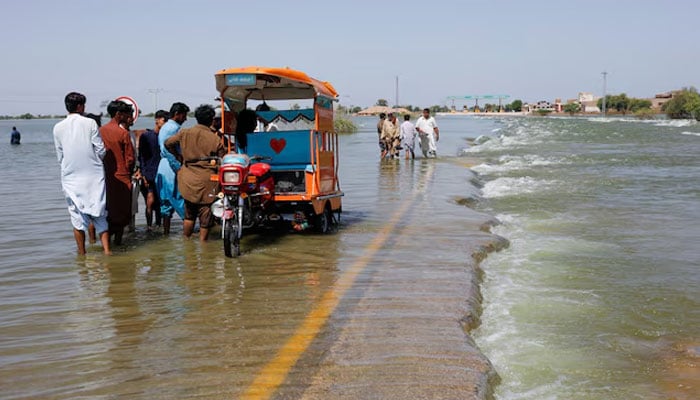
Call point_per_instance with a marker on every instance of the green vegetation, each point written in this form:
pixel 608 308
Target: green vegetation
pixel 639 105
pixel 623 104
pixel 645 113
pixel 572 108
pixel 382 103
pixel 344 125
pixel 544 113
pixel 437 109
pixel 516 105
pixel 685 104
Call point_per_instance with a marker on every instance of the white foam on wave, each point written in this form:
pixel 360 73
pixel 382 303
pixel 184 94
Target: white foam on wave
pixel 486 168
pixel 690 133
pixel 515 163
pixel 676 123
pixel 504 187
pixel 603 120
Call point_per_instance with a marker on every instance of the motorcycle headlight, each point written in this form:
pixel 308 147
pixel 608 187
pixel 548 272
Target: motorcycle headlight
pixel 232 177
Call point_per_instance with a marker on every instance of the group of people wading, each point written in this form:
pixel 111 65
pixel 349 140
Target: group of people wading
pixel 394 137
pixel 100 166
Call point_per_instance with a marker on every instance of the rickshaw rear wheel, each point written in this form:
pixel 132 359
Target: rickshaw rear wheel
pixel 324 222
pixel 232 243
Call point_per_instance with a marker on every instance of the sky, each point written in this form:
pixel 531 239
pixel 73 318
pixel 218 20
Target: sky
pixel 531 50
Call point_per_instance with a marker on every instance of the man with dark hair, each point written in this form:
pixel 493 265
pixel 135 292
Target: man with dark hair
pixel 80 151
pixel 390 132
pixel 119 164
pixel 380 127
pixel 429 134
pixel 408 136
pixel 170 198
pixel 149 158
pixel 246 120
pixel 15 136
pixel 199 147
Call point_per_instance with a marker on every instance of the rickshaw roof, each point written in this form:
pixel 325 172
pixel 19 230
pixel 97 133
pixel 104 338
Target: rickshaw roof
pixel 265 83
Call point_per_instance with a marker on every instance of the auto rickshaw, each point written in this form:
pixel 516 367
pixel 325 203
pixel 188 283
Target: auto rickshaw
pixel 300 154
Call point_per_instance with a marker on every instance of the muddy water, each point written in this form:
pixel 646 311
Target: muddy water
pixel 391 293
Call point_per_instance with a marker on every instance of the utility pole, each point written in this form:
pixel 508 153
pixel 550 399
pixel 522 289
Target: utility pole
pixel 605 82
pixel 155 92
pixel 397 91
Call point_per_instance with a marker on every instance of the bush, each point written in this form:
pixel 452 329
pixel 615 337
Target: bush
pixel 645 113
pixel 572 108
pixel 684 104
pixel 344 125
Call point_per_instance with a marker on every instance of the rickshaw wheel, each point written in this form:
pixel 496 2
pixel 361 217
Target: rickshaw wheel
pixel 232 243
pixel 323 222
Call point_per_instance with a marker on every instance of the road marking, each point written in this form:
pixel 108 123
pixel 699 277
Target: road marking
pixel 275 372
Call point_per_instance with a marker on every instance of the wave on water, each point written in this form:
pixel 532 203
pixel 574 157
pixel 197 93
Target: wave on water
pixel 690 133
pixel 676 123
pixel 515 163
pixel 673 123
pixel 504 187
pixel 604 120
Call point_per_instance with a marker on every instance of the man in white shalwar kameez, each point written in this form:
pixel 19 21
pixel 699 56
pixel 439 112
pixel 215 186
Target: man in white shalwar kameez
pixel 80 151
pixel 429 134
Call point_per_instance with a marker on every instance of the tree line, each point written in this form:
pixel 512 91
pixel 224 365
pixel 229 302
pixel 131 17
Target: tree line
pixel 31 116
pixel 685 104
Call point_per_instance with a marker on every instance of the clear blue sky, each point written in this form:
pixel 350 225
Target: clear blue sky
pixel 532 50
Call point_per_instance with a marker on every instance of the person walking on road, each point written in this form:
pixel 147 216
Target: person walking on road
pixel 408 136
pixel 390 134
pixel 380 125
pixel 429 134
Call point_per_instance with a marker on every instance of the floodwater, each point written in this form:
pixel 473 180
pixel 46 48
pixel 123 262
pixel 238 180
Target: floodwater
pixel 594 294
pixel 170 318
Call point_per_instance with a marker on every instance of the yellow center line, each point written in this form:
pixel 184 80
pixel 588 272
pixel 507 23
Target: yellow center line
pixel 275 372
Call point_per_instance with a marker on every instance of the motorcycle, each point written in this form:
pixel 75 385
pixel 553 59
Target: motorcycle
pixel 246 199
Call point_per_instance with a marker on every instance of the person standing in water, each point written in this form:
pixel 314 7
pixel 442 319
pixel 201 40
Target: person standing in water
pixel 382 146
pixel 80 151
pixel 119 164
pixel 15 136
pixel 408 136
pixel 166 181
pixel 198 147
pixel 149 158
pixel 429 134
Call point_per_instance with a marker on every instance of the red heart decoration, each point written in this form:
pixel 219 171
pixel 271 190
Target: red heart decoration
pixel 278 145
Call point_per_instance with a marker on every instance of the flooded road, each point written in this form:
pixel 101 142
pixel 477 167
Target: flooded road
pixel 378 309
